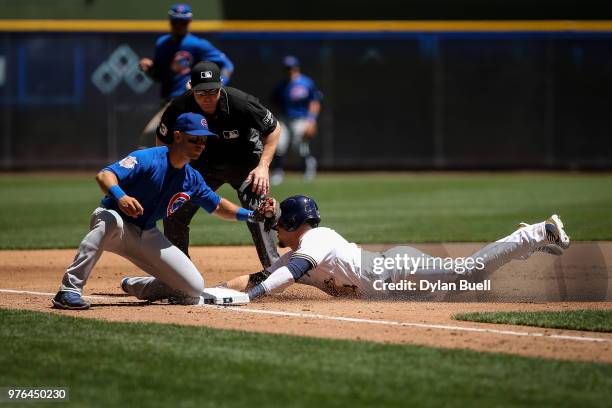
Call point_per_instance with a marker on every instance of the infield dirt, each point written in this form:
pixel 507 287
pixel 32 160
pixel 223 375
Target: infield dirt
pixel 557 289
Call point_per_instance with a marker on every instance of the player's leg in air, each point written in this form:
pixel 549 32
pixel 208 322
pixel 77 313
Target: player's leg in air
pixel 548 236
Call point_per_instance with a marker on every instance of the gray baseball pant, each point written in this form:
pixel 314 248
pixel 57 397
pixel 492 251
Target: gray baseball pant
pixel 518 245
pixel 174 275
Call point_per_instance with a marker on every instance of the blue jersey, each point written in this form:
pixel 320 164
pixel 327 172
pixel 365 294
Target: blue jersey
pixel 174 59
pixel 295 96
pixel 161 189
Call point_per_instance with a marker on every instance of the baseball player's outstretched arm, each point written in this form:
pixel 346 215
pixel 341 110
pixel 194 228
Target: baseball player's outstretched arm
pixel 241 283
pixel 109 184
pixel 281 278
pixel 227 210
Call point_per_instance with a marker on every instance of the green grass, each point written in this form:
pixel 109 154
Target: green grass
pixel 137 364
pixel 590 320
pixel 53 211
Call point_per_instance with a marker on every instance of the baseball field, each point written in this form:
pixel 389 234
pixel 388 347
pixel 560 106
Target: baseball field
pixel 548 342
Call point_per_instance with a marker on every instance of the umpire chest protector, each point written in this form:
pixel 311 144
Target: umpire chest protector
pixel 240 121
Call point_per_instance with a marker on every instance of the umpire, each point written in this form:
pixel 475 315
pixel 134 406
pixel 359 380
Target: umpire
pixel 241 155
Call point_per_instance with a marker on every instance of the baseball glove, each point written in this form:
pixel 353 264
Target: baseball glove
pixel 268 212
pixel 248 198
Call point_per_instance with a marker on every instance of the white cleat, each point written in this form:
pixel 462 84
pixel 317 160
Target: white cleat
pixel 555 232
pixel 552 249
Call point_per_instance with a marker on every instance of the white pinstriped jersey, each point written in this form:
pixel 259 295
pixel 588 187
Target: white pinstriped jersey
pixel 337 262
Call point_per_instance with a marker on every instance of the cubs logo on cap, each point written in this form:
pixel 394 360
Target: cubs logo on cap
pixel 193 124
pixel 180 11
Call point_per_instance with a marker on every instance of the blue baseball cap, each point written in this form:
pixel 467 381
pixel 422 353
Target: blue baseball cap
pixel 290 61
pixel 180 11
pixel 193 124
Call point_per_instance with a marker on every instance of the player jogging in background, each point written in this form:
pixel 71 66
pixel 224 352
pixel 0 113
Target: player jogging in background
pixel 300 103
pixel 322 258
pixel 146 186
pixel 175 54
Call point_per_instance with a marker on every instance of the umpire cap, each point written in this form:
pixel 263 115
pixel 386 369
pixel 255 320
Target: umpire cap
pixel 206 75
pixel 180 11
pixel 297 210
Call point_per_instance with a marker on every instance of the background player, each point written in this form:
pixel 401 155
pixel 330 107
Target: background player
pixel 300 103
pixel 322 258
pixel 175 54
pixel 248 134
pixel 142 188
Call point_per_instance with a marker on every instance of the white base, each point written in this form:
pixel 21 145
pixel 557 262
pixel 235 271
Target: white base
pixel 223 296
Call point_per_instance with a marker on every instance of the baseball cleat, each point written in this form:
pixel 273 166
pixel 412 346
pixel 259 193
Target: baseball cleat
pixel 555 232
pixel 185 301
pixel 69 300
pixel 551 249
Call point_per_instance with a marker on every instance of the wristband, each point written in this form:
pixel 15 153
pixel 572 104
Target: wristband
pixel 312 116
pixel 116 192
pixel 244 215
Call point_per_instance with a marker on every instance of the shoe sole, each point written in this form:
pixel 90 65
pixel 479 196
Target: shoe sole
pixel 60 305
pixel 551 249
pixel 564 239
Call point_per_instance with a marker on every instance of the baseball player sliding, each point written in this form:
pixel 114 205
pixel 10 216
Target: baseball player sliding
pixel 322 258
pixel 144 187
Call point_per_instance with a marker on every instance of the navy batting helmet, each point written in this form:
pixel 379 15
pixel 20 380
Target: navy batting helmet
pixel 296 210
pixel 180 11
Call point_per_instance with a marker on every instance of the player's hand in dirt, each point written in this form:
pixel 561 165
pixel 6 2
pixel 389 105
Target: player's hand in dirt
pixel 145 64
pixel 259 178
pixel 130 206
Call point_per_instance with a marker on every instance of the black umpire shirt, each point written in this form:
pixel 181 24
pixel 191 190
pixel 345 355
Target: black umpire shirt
pixel 240 122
